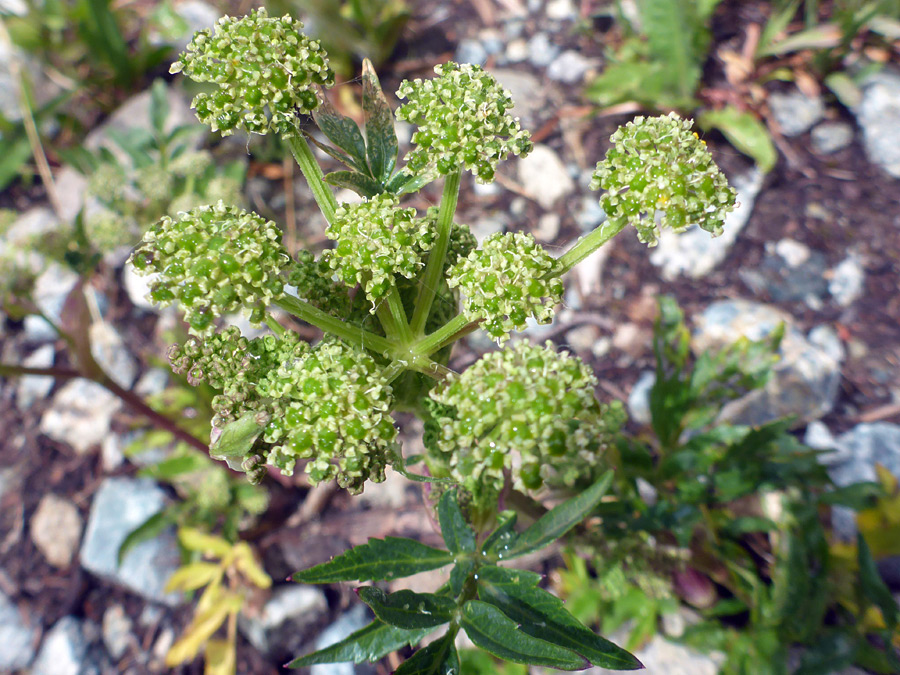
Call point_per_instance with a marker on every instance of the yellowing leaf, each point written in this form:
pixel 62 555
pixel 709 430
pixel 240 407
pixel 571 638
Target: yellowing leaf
pixel 246 563
pixel 193 576
pixel 220 658
pixel 201 628
pixel 195 540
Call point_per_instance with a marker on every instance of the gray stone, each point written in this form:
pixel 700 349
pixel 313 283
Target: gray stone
pixel 153 382
pixel 805 380
pixel 547 229
pixel 117 631
pixel 569 67
pixel 639 398
pixel 818 436
pixel 488 225
pixel 64 650
pixel 80 415
pixel 826 338
pixel 795 112
pixel 694 253
pixel 541 51
pixel 110 353
pixel 789 272
pixel 71 188
pixel 51 289
pixel 56 529
pixel 829 137
pixel 878 115
pixel 34 387
pixel 31 225
pixel 283 625
pixel 525 89
pixel 197 15
pixel 120 505
pixel 847 282
pixel 544 176
pixel 348 623
pixel 516 50
pixel 17 635
pixel 471 51
pixel 561 10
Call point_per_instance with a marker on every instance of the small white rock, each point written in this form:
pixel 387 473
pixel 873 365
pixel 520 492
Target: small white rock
pixel 80 415
pixel 639 398
pixel 847 281
pixel 56 529
pixel 117 635
pixel 108 349
pixel 34 387
pixel 794 253
pixel 544 176
pixel 547 228
pixel 569 67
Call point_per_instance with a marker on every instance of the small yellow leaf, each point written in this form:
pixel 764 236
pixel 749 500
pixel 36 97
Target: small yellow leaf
pixel 220 658
pixel 196 540
pixel 201 628
pixel 193 576
pixel 246 563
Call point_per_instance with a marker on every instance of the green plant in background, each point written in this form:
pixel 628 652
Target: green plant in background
pixel 226 572
pixel 727 518
pixel 519 420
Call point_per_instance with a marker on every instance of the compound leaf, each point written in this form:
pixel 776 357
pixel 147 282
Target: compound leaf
pixel 380 559
pixel 343 132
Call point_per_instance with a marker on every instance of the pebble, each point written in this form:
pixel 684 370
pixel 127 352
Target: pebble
pixel 56 529
pixel 827 339
pixel 153 382
pixel 17 635
pixel 829 137
pixel 117 631
pixel 583 338
pixel 541 51
pixel 805 380
pixel 488 225
pixel 569 67
pixel 561 10
pixel 197 15
pixel 695 253
pixel 42 89
pixel 818 436
pixel 795 112
pixel 109 351
pixel 32 388
pixel 471 51
pixel 847 282
pixel 525 89
pixel 348 623
pixel 120 505
pixel 63 650
pixel 516 50
pixel 544 177
pixel 639 398
pixel 51 289
pixel 138 287
pixel 284 624
pixel 80 415
pixel 789 272
pixel 547 229
pixel 878 114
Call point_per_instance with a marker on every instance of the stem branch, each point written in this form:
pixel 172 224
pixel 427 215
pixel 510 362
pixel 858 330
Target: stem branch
pixel 585 246
pixel 353 335
pixel 314 177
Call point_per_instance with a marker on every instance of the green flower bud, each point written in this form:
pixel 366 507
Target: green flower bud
pixel 335 404
pixel 504 284
pixel 265 69
pixel 528 410
pixel 213 260
pixel 660 174
pixel 463 121
pixel 376 241
pixel 314 282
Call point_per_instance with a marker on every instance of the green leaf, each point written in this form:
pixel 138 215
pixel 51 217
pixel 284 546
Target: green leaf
pixel 744 132
pixel 845 89
pixel 173 467
pixel 381 139
pixel 406 609
pixel 159 106
pixel 380 559
pixel 777 24
pixel 457 534
pixel 460 573
pixel 368 644
pixel 872 585
pixel 542 615
pixel 746 524
pixel 496 633
pixel 559 520
pixel 403 183
pixel 677 38
pixel 344 133
pixel 823 36
pixel 237 438
pixel 154 526
pixel 361 184
pixel 16 153
pixel 504 535
pixel 857 496
pixel 438 658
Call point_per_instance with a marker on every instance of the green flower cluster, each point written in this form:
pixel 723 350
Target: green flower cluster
pixel 334 407
pixel 463 121
pixel 213 260
pixel 527 399
pixel 660 174
pixel 376 241
pixel 504 284
pixel 265 69
pixel 313 279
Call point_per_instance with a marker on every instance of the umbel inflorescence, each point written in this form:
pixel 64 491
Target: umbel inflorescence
pixel 397 288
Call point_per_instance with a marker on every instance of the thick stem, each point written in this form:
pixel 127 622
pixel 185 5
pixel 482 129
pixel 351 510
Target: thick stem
pixel 313 174
pixel 585 246
pixel 450 332
pixel 350 334
pixel 435 266
pixel 274 326
pixel 401 322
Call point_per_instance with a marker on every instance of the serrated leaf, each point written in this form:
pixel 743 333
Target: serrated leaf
pixel 192 576
pixel 488 628
pixel 559 520
pixel 378 560
pixel 237 438
pixel 438 658
pixel 343 132
pixel 150 528
pixel 381 138
pixel 542 615
pixel 368 644
pixel 504 535
pixel 363 185
pixel 407 609
pixel 744 132
pixel 457 534
pixel 872 585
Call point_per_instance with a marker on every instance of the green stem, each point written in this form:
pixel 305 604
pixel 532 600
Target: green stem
pixel 393 317
pixel 274 326
pixel 585 246
pixel 314 177
pixel 451 331
pixel 435 266
pixel 353 335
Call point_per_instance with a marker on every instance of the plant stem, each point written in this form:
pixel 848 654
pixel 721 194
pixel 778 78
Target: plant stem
pixel 274 326
pixel 435 266
pixel 585 246
pixel 314 177
pixel 395 305
pixel 131 399
pixel 350 334
pixel 451 331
